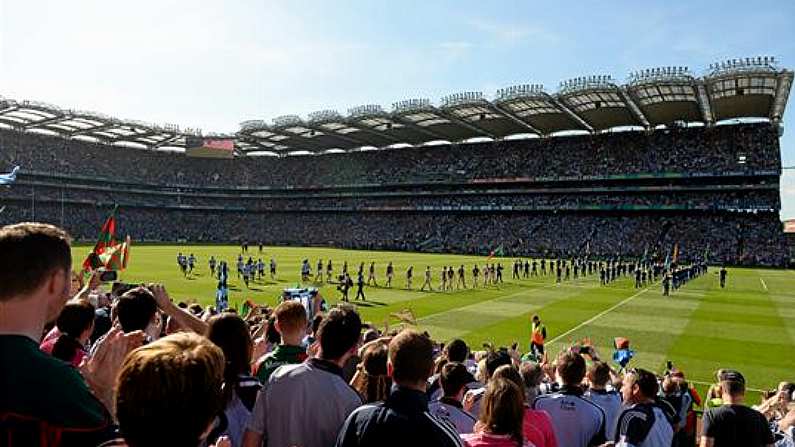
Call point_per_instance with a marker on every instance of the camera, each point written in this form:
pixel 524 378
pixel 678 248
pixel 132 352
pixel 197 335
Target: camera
pixel 108 276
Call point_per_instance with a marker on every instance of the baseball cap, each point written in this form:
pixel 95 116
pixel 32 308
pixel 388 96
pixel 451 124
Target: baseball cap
pixel 730 375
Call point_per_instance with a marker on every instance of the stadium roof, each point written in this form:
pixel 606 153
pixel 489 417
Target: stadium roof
pixel 738 88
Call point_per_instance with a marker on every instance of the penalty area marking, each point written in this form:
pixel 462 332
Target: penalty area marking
pixel 764 286
pixel 599 315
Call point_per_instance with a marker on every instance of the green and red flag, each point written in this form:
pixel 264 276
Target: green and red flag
pixel 496 252
pixel 108 252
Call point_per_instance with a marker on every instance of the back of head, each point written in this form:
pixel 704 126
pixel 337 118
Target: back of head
pixel 339 332
pixel 291 317
pixel 372 382
pixel 599 374
pixel 169 391
pixel 495 359
pixel 502 410
pixel 411 357
pixel 532 374
pixel 732 382
pixel 135 309
pixel 30 253
pixel 570 366
pixel 509 373
pixel 453 378
pixel 374 358
pixel 457 350
pixel 76 317
pixel 231 333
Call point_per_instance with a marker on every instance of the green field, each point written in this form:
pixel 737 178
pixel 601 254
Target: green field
pixel 750 325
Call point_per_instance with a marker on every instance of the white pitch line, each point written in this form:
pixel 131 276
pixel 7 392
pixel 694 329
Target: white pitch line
pixel 701 382
pixel 599 315
pixel 764 286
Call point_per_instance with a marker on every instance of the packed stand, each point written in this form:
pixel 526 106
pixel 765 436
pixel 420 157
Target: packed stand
pixel 741 148
pixel 736 238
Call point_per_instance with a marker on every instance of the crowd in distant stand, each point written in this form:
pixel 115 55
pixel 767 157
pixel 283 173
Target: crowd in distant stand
pixel 739 198
pixel 132 368
pixel 738 238
pixel 550 224
pixel 730 148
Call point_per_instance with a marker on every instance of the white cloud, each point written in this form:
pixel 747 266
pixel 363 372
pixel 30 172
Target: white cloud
pixel 513 33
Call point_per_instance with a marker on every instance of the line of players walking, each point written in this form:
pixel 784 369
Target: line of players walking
pixel 450 278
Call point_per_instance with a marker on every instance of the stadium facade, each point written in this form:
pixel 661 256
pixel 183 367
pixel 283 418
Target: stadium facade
pixel 711 188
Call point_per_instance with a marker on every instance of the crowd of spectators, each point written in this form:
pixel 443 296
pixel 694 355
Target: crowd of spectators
pixel 740 148
pixel 158 373
pixel 734 197
pixel 728 237
pixel 166 197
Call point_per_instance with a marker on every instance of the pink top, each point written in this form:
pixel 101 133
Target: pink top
pixel 488 440
pixel 52 335
pixel 537 428
pixel 47 346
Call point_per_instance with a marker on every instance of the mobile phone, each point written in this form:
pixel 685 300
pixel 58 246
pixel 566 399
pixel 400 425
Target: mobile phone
pixel 119 288
pixel 108 276
pixel 669 365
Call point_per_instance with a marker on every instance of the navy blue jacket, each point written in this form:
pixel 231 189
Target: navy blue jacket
pixel 402 420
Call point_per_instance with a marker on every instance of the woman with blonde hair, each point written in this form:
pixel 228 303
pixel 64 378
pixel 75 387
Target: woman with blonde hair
pixel 501 417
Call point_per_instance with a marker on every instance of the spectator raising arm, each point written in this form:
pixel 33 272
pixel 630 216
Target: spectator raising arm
pixel 183 319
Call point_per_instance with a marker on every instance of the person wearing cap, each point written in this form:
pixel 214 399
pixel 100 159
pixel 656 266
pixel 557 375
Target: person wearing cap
pixel 733 423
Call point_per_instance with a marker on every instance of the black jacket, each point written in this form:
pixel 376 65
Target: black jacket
pixel 403 420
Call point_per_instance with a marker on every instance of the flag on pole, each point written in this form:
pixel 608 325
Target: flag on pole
pixel 675 256
pixel 496 252
pixel 108 252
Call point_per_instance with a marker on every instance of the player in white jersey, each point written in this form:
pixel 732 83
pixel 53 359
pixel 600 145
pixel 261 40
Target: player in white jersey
pixel 427 282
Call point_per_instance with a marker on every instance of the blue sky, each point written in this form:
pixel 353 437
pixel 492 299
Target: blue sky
pixel 212 64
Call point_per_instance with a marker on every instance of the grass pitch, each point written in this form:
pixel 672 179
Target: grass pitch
pixel 749 325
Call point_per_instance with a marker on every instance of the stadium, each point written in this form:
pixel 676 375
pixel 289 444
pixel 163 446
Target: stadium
pixel 673 172
pixel 685 167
